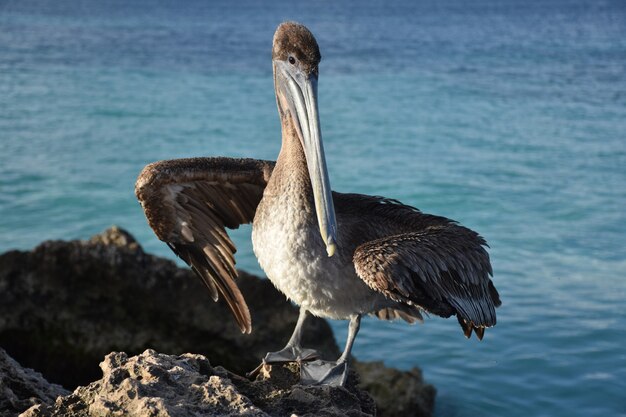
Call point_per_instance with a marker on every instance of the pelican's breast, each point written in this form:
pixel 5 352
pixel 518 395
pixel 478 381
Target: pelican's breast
pixel 288 245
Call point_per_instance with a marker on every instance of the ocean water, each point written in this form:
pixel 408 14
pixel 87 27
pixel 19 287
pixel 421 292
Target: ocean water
pixel 508 116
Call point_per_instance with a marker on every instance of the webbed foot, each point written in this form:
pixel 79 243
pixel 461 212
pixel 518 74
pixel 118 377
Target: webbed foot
pixel 285 355
pixel 321 372
pixel 291 354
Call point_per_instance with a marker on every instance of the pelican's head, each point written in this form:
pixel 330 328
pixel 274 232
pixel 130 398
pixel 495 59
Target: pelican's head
pixel 293 40
pixel 296 56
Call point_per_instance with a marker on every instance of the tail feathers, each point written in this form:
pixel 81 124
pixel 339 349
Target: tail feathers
pixel 469 326
pixel 480 332
pixel 407 313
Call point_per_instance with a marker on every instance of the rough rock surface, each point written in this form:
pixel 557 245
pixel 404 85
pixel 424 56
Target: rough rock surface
pixel 21 388
pixel 65 305
pixel 397 393
pixel 154 384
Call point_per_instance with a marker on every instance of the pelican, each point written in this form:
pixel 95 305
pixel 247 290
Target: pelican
pixel 335 255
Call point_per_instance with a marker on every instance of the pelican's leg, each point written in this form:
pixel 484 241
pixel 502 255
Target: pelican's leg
pixel 293 352
pixel 331 373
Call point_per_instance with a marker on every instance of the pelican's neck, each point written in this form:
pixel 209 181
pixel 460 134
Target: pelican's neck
pixel 291 176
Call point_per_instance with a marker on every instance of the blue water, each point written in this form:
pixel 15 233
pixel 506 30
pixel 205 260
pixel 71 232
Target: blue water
pixel 507 116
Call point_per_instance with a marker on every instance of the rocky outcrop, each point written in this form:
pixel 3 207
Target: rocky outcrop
pixel 21 388
pixel 154 384
pixel 397 393
pixel 65 305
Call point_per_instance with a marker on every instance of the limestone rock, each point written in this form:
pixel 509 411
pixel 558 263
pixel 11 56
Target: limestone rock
pixel 21 388
pixel 64 305
pixel 397 393
pixel 154 384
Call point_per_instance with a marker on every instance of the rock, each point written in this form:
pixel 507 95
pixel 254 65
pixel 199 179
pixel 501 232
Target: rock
pixel 114 236
pixel 21 388
pixel 154 384
pixel 65 305
pixel 397 393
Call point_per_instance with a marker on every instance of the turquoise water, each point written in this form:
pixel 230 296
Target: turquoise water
pixel 509 117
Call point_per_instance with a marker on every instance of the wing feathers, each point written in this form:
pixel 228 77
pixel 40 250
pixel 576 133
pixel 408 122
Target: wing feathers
pixel 441 267
pixel 190 202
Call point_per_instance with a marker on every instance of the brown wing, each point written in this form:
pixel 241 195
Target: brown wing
pixel 434 263
pixel 190 202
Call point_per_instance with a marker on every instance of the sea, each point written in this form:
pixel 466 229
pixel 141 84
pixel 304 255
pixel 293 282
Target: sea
pixel 508 116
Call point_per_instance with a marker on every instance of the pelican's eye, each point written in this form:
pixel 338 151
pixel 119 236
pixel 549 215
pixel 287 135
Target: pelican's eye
pixel 292 60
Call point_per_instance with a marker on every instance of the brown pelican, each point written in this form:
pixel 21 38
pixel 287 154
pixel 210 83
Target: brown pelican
pixel 335 255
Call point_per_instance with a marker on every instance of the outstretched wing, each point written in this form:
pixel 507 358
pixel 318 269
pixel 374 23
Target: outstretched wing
pixel 436 264
pixel 190 202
